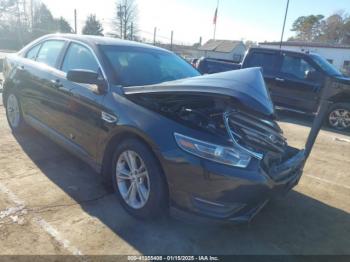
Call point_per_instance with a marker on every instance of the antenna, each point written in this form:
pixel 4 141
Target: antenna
pixel 284 24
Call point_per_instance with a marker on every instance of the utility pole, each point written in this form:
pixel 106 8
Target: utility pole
pixel 132 32
pixel 31 14
pixel 171 40
pixel 120 15
pixel 154 36
pixel 284 24
pixel 200 41
pixel 75 21
pixel 125 22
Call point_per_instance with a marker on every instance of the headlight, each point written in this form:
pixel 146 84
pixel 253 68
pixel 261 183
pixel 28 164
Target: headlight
pixel 225 155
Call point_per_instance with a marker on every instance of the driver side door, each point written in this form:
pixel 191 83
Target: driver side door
pixel 295 90
pixel 84 103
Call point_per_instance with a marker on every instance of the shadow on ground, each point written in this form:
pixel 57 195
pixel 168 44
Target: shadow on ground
pixel 297 224
pixel 304 120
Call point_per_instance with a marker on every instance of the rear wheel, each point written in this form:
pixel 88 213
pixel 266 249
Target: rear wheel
pixel 138 180
pixel 14 113
pixel 339 116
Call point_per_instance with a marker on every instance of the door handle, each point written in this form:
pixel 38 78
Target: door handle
pixel 20 68
pixel 56 83
pixel 59 86
pixel 279 79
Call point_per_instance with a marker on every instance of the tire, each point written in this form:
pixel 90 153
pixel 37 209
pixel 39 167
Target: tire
pixel 147 198
pixel 14 113
pixel 339 116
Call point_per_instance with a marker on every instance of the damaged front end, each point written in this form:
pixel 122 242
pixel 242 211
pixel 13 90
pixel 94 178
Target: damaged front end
pixel 243 152
pixel 235 106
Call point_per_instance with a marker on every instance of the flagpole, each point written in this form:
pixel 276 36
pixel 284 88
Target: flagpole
pixel 216 14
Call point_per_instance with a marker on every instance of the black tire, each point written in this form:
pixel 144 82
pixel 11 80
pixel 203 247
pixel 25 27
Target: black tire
pixel 339 107
pixel 20 124
pixel 157 202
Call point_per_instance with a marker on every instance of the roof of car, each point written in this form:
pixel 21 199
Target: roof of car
pixel 275 50
pixel 103 40
pixel 307 44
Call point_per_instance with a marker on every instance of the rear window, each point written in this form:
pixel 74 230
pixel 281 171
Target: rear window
pixel 31 54
pixel 265 60
pixel 49 52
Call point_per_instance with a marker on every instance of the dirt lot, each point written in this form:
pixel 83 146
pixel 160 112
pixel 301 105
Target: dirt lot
pixel 52 203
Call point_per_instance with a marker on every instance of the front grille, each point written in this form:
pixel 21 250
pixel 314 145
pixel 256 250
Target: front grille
pixel 255 134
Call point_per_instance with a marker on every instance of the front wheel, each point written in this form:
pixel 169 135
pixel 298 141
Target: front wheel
pixel 339 116
pixel 14 113
pixel 138 180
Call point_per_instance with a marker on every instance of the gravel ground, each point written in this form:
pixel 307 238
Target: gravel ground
pixel 52 203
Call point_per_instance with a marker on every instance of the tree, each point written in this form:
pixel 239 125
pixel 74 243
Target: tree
pixel 92 26
pixel 308 28
pixel 6 7
pixel 43 21
pixel 333 29
pixel 125 22
pixel 63 26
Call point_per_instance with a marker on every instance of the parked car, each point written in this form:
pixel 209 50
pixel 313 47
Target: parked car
pixel 163 136
pixel 211 66
pixel 295 81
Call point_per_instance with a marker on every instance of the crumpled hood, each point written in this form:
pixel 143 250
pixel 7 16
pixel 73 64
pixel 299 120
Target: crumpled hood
pixel 246 85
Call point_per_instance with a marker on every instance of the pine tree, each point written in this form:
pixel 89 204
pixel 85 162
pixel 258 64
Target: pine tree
pixel 92 26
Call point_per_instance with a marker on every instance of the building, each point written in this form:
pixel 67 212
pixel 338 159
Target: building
pixel 223 49
pixel 338 55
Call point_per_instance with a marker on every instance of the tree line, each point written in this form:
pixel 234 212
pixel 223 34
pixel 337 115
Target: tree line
pixel 333 29
pixel 22 21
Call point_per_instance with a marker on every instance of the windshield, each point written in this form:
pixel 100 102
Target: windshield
pixel 135 66
pixel 325 65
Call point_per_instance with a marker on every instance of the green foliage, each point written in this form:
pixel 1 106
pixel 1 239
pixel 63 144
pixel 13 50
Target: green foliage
pixel 92 26
pixel 333 29
pixel 43 22
pixel 307 27
pixel 20 23
pixel 63 26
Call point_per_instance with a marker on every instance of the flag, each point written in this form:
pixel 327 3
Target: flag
pixel 215 16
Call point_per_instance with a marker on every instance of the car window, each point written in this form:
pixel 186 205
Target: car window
pixel 31 54
pixel 79 57
pixel 49 52
pixel 296 67
pixel 265 60
pixel 143 66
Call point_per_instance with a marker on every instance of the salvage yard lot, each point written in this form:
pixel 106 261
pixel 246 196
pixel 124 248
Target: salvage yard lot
pixel 52 203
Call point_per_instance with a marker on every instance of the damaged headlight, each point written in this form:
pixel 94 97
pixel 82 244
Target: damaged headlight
pixel 224 155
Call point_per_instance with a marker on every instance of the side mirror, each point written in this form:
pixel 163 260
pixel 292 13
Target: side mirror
pixel 312 75
pixel 87 77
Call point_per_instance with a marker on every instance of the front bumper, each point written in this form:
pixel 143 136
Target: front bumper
pixel 204 190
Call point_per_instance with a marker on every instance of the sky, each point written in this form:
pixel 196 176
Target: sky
pixel 256 20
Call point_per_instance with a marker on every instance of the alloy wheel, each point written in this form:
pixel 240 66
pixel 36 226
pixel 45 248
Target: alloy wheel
pixel 12 108
pixel 339 119
pixel 132 179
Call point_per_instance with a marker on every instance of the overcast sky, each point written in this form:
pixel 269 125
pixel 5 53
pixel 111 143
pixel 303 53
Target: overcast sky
pixel 256 20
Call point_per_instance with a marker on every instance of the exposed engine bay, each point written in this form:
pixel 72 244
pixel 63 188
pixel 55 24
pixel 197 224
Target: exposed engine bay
pixel 196 111
pixel 207 112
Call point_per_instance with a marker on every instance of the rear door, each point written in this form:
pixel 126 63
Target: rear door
pixel 268 60
pixel 293 89
pixel 40 98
